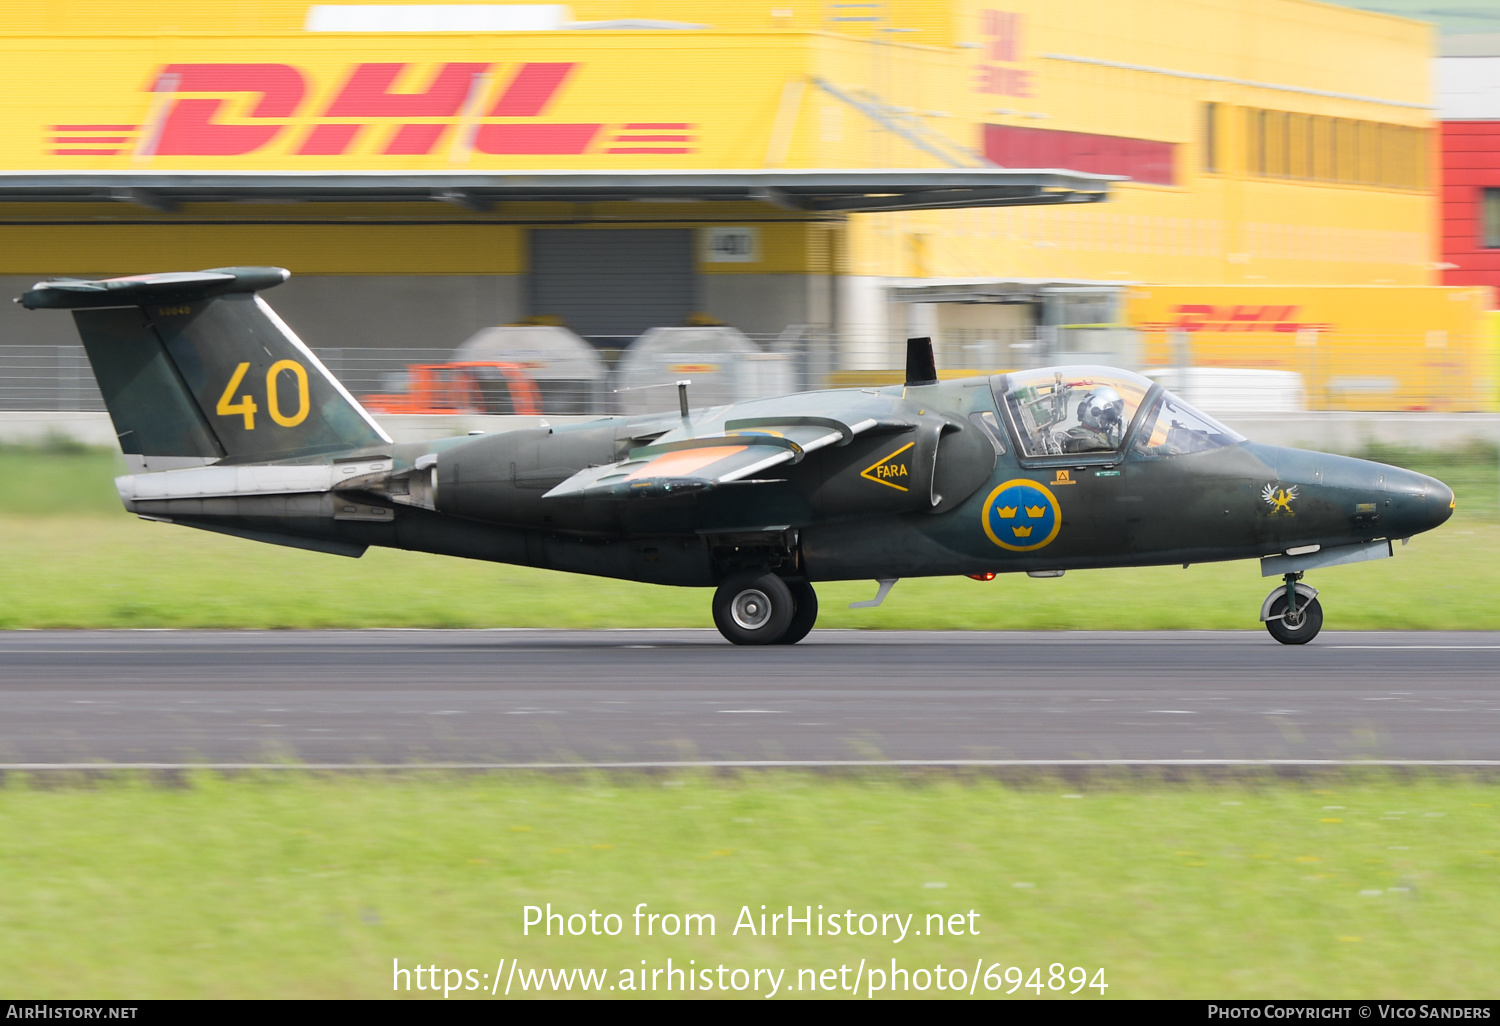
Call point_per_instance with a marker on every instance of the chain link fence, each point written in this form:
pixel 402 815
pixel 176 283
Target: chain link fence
pixel 1286 374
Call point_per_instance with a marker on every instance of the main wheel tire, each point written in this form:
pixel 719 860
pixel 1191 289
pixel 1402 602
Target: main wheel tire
pixel 804 612
pixel 1306 627
pixel 753 607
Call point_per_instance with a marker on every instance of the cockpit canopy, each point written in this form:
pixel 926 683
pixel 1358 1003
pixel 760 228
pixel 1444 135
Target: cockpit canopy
pixel 1173 428
pixel 1063 411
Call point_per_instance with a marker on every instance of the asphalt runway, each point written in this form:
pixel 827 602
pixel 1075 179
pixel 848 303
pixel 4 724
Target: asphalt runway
pixel 685 695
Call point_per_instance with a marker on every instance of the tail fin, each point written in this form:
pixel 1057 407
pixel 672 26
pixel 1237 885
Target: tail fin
pixel 196 364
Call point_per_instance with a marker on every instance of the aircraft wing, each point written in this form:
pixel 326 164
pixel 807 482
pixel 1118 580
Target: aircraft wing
pixel 744 448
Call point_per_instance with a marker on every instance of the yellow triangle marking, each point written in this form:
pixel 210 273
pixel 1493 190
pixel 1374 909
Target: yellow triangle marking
pixel 868 474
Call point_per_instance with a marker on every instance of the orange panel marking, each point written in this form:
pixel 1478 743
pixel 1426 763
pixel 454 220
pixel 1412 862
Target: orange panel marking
pixel 680 464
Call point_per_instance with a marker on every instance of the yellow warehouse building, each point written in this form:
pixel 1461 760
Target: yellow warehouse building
pixel 427 170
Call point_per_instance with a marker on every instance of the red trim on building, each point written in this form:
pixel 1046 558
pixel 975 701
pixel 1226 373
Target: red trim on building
pixel 1144 160
pixel 1471 164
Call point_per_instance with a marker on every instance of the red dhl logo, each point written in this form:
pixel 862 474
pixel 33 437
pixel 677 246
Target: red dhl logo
pixel 1002 32
pixel 1193 317
pixel 188 100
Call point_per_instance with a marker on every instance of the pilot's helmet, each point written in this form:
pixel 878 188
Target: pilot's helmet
pixel 1102 409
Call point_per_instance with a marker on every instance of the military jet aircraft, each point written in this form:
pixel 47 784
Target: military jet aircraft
pixel 231 424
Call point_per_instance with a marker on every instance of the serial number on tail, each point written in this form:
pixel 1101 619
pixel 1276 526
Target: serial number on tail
pixel 246 406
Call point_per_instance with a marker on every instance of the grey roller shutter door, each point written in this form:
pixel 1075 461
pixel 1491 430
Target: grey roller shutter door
pixel 612 282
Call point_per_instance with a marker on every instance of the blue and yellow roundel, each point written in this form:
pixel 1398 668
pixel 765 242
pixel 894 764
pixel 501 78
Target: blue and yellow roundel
pixel 1022 515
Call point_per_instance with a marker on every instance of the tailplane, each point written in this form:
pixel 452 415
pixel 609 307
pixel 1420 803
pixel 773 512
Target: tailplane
pixel 196 365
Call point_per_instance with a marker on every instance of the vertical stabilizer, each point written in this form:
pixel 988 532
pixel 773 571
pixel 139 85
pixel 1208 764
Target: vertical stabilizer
pixel 197 365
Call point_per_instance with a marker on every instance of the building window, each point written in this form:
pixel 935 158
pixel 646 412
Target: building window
pixel 1323 145
pixel 1275 156
pixel 1313 148
pixel 1369 154
pixel 1211 137
pixel 1255 141
pixel 1298 152
pixel 1346 151
pixel 1491 217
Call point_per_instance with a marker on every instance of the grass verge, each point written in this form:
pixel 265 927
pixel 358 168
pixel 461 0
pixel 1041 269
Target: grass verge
pixel 304 886
pixel 74 559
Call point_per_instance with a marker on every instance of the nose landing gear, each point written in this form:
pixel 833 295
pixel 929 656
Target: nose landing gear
pixel 1291 613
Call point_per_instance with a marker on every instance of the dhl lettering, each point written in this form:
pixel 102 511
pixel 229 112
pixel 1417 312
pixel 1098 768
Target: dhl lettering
pixel 1002 45
pixel 391 108
pixel 367 94
pixel 1195 317
pixel 527 96
pixel 190 128
pixel 531 90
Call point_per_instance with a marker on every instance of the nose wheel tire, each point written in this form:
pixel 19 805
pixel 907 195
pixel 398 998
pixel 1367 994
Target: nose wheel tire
pixel 754 608
pixel 1299 629
pixel 804 612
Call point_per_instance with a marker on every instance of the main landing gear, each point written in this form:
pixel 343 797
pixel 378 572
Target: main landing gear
pixel 756 607
pixel 1292 613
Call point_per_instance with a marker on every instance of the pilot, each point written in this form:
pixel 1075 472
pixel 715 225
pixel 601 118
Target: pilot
pixel 1101 422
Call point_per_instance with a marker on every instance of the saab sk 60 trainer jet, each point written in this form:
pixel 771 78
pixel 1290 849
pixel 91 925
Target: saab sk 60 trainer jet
pixel 231 424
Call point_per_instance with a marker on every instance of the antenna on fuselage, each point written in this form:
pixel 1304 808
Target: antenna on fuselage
pixel 921 368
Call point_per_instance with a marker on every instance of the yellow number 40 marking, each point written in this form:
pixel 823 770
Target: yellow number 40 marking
pixel 246 406
pixel 273 400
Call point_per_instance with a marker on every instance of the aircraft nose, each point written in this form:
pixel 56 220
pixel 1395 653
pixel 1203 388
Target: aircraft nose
pixel 1422 502
pixel 1441 502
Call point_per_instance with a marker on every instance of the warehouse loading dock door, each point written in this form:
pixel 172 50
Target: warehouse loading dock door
pixel 611 285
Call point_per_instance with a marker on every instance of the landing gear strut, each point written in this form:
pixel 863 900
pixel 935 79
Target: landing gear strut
pixel 1291 613
pixel 756 607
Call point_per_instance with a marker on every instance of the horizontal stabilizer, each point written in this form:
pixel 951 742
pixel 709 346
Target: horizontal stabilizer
pixel 252 479
pixel 137 289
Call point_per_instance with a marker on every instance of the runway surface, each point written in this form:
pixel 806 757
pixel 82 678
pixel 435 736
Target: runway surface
pixel 685 695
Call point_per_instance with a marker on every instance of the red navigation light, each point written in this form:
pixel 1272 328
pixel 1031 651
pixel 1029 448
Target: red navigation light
pixel 981 577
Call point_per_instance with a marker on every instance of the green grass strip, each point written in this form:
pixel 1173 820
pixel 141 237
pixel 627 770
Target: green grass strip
pixel 1355 885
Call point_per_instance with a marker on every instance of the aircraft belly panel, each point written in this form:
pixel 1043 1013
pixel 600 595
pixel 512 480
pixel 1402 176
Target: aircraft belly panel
pixel 682 560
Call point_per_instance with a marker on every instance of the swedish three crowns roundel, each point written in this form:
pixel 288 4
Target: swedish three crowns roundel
pixel 1021 515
